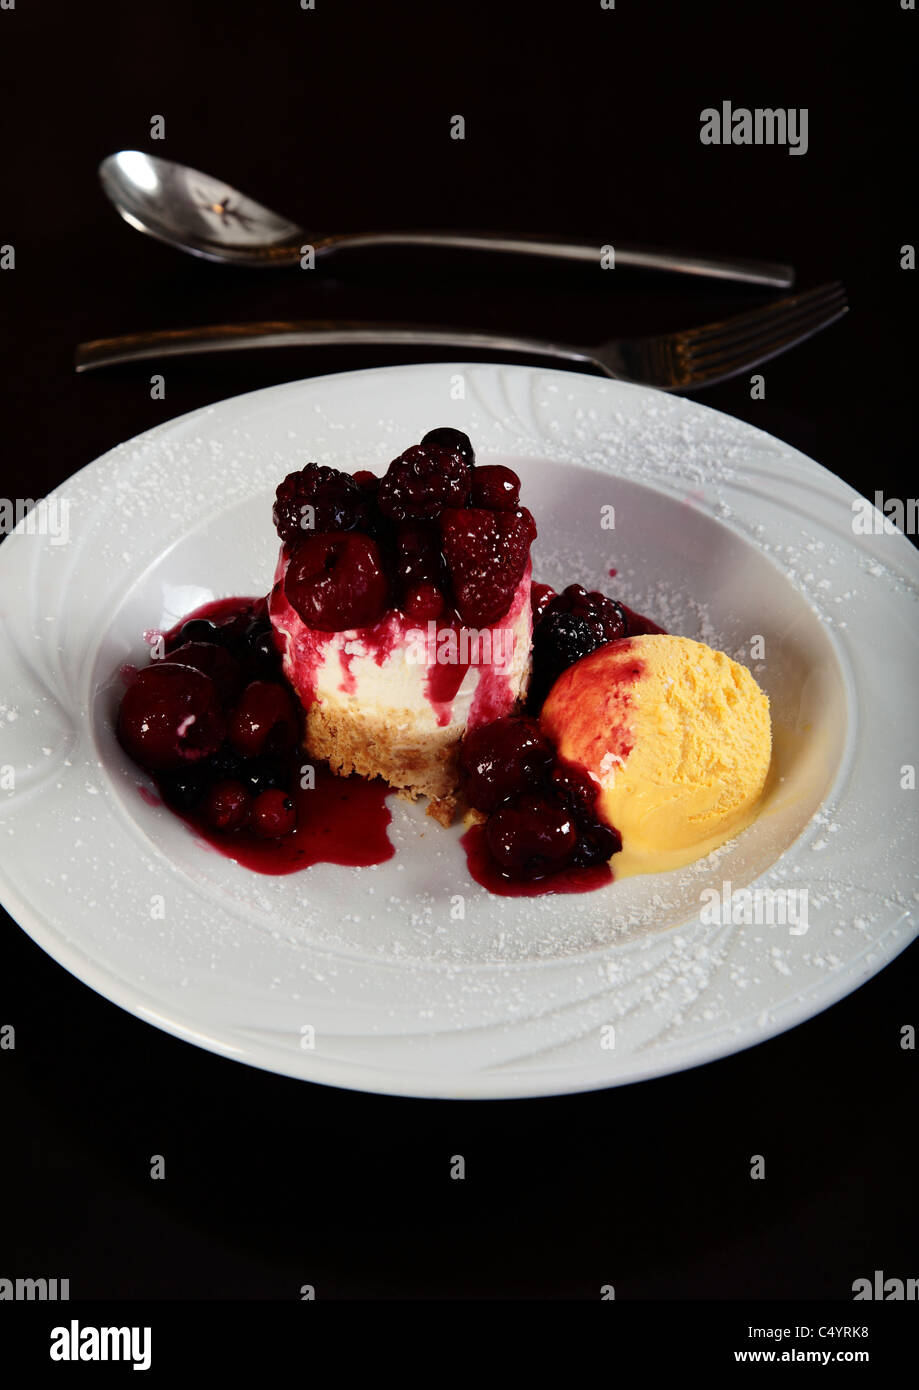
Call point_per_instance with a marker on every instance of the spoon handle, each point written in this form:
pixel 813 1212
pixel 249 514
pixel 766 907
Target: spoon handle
pixel 551 248
pixel 181 342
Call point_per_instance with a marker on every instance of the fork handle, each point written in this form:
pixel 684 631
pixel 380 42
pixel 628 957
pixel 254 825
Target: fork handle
pixel 226 337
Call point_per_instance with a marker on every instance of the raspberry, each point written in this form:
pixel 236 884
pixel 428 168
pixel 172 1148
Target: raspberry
pixel 496 487
pixel 486 554
pixel 336 581
pixel 420 483
pixel 335 500
pixel 458 443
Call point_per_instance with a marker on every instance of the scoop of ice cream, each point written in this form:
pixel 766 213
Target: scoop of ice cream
pixel 678 737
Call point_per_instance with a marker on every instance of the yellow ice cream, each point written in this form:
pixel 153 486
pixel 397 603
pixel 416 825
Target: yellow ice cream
pixel 677 735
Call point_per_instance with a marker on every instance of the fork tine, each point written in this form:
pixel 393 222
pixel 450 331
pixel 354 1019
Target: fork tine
pixel 740 323
pixel 777 324
pixel 762 349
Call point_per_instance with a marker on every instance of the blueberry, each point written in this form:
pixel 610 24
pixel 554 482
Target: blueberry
pixel 447 438
pixel 596 844
pixel 199 630
pixel 264 774
pixel 183 790
pixel 226 764
pixel 258 652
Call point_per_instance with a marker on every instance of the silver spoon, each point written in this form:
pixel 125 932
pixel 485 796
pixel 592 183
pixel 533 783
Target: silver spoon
pixel 205 217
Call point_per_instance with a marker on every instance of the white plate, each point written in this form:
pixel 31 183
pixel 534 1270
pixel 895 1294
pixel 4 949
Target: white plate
pixel 721 533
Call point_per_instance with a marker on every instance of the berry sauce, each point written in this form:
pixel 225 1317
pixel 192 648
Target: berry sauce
pixel 639 625
pixel 341 820
pixel 483 869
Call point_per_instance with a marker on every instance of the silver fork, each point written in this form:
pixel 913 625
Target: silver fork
pixel 683 361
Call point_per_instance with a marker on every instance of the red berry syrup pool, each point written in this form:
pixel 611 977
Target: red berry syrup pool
pixel 340 820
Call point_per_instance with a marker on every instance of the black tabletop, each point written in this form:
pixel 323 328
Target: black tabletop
pixel 580 119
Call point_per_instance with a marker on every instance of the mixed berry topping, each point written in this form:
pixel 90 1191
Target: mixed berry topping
pixel 541 811
pixel 435 536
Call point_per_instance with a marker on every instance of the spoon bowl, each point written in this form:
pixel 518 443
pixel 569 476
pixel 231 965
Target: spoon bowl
pixel 196 212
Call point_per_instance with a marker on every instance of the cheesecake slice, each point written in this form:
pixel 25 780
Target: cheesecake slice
pixel 412 625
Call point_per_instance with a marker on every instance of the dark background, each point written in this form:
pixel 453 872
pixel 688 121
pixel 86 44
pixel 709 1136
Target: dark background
pixel 578 120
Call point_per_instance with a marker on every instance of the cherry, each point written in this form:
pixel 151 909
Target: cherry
pixel 335 581
pixel 228 805
pixel 501 759
pixel 532 836
pixel 273 813
pixel 541 595
pixel 199 630
pixel 170 716
pixel 495 487
pixel 264 715
pixel 214 661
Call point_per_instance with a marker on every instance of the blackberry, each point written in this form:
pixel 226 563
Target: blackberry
pixel 605 617
pixel 559 640
pixel 337 503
